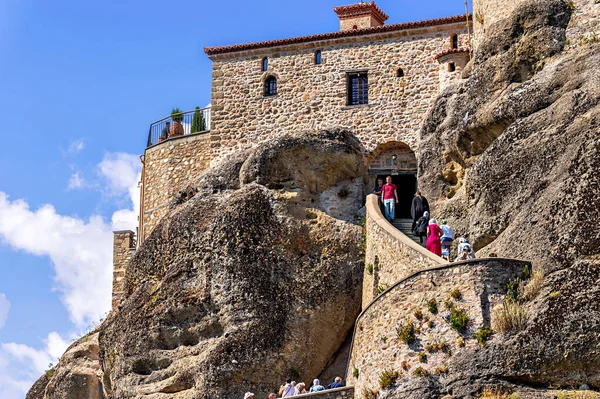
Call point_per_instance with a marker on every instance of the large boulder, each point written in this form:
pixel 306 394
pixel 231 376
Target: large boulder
pixel 510 155
pixel 248 280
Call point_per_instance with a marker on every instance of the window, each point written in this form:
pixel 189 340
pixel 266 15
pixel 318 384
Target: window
pixel 358 88
pixel 400 73
pixel 354 27
pixel 454 41
pixel 271 86
pixel 265 64
pixel 318 57
pixel 451 67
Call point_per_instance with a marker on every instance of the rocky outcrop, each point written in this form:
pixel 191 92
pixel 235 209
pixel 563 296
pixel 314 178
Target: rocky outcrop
pixel 246 282
pixel 512 152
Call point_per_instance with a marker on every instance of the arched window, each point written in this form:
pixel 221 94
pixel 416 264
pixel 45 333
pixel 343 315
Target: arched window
pixel 454 41
pixel 354 27
pixel 265 64
pixel 400 73
pixel 271 86
pixel 318 57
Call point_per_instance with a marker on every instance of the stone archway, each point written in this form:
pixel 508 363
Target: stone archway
pixel 398 160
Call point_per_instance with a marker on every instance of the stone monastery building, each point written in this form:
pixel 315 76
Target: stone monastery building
pixel 374 79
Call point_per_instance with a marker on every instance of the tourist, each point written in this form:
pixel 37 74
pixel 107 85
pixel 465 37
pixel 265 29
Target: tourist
pixel 447 238
pixel 176 129
pixel 317 387
pixel 420 229
pixel 282 389
pixel 378 191
pixel 434 233
pixel 337 383
pixel 418 208
pixel 289 389
pixel 272 396
pixel 462 255
pixel 164 134
pixel 301 388
pixel 390 199
pixel 249 395
pixel 463 243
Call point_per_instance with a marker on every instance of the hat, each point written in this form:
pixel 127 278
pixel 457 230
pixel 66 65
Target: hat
pixel 248 395
pixel 444 221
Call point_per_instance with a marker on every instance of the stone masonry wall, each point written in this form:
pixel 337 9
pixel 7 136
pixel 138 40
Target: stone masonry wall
pixel 391 255
pixel 169 167
pixel 377 347
pixel 310 97
pixel 123 250
pixel 585 19
pixel 338 393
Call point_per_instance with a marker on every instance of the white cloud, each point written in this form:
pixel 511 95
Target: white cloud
pixel 76 181
pixel 21 365
pixel 121 171
pixel 76 147
pixel 4 308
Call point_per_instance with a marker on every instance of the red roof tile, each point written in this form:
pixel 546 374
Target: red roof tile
pixel 450 51
pixel 333 35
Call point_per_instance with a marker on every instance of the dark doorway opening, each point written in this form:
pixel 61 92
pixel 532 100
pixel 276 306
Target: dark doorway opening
pixel 407 186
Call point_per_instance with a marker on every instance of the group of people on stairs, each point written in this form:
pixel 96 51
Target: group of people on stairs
pixel 439 238
pixel 291 388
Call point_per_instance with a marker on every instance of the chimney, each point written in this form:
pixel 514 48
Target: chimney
pixel 360 16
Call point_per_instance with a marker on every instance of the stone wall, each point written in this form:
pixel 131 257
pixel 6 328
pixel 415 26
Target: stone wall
pixel 376 345
pixel 585 19
pixel 338 393
pixel 169 167
pixel 311 97
pixel 391 255
pixel 123 250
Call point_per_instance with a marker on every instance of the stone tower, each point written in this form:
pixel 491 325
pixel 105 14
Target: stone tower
pixel 360 16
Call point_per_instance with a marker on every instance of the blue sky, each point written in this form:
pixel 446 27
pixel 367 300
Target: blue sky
pixel 80 81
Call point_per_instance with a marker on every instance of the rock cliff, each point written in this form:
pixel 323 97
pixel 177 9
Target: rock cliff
pixel 512 152
pixel 246 281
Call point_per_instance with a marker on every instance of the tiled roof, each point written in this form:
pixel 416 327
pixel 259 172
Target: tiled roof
pixel 450 51
pixel 334 35
pixel 354 10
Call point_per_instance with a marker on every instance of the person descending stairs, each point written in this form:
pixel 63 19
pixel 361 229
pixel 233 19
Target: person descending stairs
pixel 405 226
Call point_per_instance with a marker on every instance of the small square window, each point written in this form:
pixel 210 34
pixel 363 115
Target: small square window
pixel 451 67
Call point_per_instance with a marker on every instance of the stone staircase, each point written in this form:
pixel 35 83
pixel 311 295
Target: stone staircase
pixel 405 225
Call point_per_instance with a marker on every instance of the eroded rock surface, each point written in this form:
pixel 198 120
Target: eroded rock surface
pixel 245 281
pixel 516 145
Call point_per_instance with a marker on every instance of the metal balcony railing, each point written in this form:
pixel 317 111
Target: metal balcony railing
pixel 182 124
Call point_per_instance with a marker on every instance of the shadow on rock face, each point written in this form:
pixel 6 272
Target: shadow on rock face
pixel 247 278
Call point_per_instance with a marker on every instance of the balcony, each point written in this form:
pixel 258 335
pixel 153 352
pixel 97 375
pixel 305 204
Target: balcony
pixel 178 125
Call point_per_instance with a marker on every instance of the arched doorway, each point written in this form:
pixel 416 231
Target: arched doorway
pixel 398 160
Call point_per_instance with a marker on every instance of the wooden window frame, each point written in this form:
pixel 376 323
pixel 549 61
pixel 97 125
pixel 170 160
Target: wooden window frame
pixel 357 88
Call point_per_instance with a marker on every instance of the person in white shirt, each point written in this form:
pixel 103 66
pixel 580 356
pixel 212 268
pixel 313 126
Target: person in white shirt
pixel 446 239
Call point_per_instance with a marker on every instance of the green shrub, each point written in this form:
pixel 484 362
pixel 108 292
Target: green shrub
pixel 439 346
pixel 554 294
pixel 420 372
pixel 419 314
pixel 526 272
pixel 459 319
pixel 512 289
pixel 50 371
pixel 448 304
pixel 370 269
pixel 355 373
pixel 460 342
pixel 294 374
pixel 441 369
pixel 422 357
pixel 483 335
pixel 430 324
pixel 384 339
pixel 387 378
pixel 198 122
pixel 407 332
pixel 456 294
pixel 369 393
pixel 381 289
pixel 432 306
pixel 177 115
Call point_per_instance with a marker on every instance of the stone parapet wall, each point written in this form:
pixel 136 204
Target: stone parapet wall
pixel 392 255
pixel 337 393
pixel 376 345
pixel 123 250
pixel 168 168
pixel 312 97
pixel 585 19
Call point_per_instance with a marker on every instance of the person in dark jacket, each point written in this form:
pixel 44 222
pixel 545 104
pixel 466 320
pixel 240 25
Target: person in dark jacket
pixel 420 229
pixel 337 383
pixel 418 207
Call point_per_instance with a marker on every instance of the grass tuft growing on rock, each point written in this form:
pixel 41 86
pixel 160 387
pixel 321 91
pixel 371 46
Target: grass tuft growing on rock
pixel 432 306
pixel 493 393
pixel 418 314
pixel 456 294
pixel 483 335
pixel 422 356
pixel 530 291
pixel 509 317
pixel 370 269
pixel 355 373
pixel 459 319
pixel 441 369
pixel 407 332
pixel 387 378
pixel 577 395
pixel 369 393
pixel 420 372
pixel 405 365
pixel 439 346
